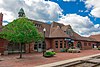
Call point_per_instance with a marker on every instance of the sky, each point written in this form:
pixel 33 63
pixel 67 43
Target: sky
pixel 82 15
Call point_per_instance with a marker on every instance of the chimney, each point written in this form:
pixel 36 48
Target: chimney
pixel 1 19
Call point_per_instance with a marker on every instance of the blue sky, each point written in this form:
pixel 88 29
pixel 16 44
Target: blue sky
pixel 77 7
pixel 82 15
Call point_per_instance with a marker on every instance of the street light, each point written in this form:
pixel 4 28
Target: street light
pixel 44 48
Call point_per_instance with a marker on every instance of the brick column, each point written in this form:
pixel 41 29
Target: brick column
pixel 1 19
pixel 29 47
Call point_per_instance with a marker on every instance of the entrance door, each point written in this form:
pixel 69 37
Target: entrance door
pixel 38 46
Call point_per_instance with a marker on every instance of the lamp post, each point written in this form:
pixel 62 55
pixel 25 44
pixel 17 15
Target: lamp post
pixel 44 47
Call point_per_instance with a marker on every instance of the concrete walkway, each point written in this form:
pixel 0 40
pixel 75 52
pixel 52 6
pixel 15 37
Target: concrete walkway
pixel 67 61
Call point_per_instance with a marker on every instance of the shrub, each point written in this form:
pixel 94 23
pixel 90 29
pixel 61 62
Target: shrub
pixel 69 50
pixel 96 48
pixel 63 50
pixel 49 54
pixel 99 48
pixel 54 53
pixel 66 50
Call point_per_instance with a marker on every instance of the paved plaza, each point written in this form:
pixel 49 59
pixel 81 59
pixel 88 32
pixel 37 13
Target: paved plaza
pixel 35 59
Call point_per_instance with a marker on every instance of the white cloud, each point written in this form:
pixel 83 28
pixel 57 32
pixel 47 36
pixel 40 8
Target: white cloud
pixel 7 15
pixel 95 5
pixel 80 24
pixel 69 0
pixel 97 26
pixel 82 0
pixel 34 9
pixel 80 11
pixel 1 1
pixel 4 24
pixel 96 12
pixel 48 11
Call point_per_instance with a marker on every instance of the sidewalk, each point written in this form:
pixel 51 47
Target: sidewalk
pixel 36 59
pixel 67 61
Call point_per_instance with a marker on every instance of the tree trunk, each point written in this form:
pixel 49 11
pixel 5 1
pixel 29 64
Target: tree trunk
pixel 20 50
pixel 29 49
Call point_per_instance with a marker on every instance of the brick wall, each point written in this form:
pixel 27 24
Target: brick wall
pixel 29 47
pixel 3 45
pixel 50 44
pixel 85 44
pixel 54 47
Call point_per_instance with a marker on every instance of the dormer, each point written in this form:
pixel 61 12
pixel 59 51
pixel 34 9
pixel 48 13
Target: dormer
pixel 68 30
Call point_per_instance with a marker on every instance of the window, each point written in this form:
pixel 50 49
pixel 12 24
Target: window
pixel 89 44
pixel 35 46
pixel 56 44
pixel 64 44
pixel 39 45
pixel 69 32
pixel 43 46
pixel 85 44
pixel 60 44
pixel 79 45
pixel 37 25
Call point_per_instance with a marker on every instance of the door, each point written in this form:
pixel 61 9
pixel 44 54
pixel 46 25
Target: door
pixel 38 46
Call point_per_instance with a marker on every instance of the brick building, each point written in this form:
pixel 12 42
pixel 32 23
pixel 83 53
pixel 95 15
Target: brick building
pixel 97 38
pixel 3 42
pixel 57 36
pixel 60 36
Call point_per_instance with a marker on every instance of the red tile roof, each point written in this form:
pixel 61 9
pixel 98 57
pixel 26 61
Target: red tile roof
pixel 96 37
pixel 58 30
pixel 40 26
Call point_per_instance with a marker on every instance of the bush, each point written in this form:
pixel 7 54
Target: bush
pixel 49 54
pixel 73 50
pixel 63 50
pixel 54 53
pixel 69 50
pixel 98 48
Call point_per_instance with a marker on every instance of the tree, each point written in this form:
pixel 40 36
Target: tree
pixel 21 31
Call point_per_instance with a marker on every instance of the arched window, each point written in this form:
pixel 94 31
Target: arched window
pixel 56 44
pixel 79 45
